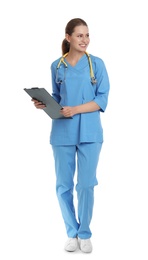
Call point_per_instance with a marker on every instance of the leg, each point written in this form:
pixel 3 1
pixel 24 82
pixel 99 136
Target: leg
pixel 65 169
pixel 87 156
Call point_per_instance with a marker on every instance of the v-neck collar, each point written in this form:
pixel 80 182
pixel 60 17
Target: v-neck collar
pixel 81 60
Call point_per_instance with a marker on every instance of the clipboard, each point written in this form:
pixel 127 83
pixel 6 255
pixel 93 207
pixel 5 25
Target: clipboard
pixel 52 108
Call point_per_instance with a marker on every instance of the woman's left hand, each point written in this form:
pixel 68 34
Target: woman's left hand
pixel 68 111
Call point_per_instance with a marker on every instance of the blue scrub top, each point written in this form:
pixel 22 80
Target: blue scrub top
pixel 77 89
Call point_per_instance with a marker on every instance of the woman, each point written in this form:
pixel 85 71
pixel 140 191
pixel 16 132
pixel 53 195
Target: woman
pixel 80 84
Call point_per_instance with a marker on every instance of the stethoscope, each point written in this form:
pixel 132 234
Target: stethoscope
pixel 59 81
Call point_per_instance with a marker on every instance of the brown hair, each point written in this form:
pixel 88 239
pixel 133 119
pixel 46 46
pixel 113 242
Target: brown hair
pixel 69 30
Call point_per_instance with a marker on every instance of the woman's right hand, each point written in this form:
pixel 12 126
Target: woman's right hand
pixel 38 104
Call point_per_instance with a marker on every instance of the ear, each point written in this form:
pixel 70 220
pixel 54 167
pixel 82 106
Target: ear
pixel 67 37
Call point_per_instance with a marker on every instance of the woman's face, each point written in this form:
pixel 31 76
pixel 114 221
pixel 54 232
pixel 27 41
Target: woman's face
pixel 79 40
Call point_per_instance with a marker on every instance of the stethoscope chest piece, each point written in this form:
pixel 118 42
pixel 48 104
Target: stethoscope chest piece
pixel 93 81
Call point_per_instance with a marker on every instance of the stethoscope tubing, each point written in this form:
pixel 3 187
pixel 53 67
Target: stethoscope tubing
pixel 93 80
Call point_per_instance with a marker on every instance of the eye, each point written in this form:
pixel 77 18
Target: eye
pixel 81 36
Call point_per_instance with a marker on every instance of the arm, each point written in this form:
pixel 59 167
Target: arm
pixel 101 94
pixel 84 108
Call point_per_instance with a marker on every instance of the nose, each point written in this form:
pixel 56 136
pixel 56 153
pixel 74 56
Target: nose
pixel 85 39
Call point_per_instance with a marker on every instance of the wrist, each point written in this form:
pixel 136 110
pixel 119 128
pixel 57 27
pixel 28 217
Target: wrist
pixel 76 110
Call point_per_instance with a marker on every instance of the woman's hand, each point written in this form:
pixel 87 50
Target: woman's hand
pixel 83 108
pixel 38 104
pixel 68 111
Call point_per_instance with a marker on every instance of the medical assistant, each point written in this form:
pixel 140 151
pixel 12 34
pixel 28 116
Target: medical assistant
pixel 76 89
pixel 82 136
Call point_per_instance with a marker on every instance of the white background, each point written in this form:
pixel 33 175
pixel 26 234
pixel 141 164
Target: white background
pixel 31 226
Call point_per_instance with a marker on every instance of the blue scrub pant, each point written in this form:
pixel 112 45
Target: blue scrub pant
pixel 85 157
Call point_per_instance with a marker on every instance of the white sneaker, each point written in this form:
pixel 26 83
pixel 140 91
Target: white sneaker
pixel 86 245
pixel 71 245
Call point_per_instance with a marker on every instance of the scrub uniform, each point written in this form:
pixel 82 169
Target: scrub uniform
pixel 77 142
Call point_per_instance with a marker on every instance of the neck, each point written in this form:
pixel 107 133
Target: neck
pixel 74 57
